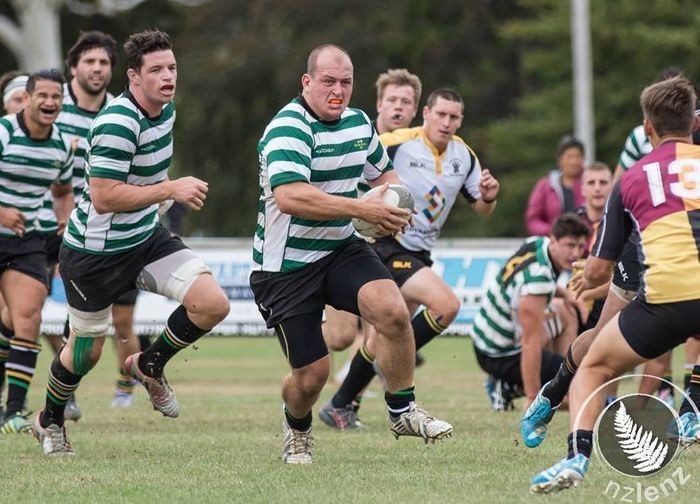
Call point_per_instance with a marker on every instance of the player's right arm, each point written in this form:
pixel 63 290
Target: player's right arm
pixel 109 195
pixel 113 142
pixel 531 313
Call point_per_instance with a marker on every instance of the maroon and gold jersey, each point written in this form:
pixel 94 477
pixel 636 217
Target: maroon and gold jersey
pixel 660 198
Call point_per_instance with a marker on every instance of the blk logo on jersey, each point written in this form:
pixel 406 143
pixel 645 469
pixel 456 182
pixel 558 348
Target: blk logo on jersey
pixel 436 204
pixel 401 264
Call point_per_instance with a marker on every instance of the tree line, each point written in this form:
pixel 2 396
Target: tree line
pixel 239 61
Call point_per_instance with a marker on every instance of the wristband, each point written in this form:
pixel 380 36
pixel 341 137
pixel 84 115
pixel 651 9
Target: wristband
pixel 488 202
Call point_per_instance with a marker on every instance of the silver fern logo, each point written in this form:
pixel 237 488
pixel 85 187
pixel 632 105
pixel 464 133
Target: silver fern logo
pixel 635 434
pixel 641 446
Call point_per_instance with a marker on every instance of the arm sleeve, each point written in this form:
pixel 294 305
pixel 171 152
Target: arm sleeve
pixel 113 139
pixel 287 153
pixel 470 188
pixel 614 228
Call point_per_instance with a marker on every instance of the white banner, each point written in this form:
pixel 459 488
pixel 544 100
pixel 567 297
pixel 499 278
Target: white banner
pixel 465 265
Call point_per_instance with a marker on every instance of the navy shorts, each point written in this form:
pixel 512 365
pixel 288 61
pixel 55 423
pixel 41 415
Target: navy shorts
pixel 293 302
pixel 654 329
pixel 93 282
pixel 507 368
pixel 26 254
pixel 401 262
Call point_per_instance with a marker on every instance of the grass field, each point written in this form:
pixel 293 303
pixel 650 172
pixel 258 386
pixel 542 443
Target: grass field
pixel 225 446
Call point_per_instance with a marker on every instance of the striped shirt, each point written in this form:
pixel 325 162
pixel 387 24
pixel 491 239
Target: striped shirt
pixel 125 145
pixel 637 145
pixel 28 167
pixel 74 122
pixel 331 156
pixel 497 330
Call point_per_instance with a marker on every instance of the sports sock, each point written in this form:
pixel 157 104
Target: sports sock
pixel 359 376
pixel 125 383
pixel 693 392
pixel 688 372
pixel 6 334
pixel 425 328
pixel 179 333
pixel 557 388
pixel 19 368
pixel 584 443
pixel 399 402
pixel 300 424
pixel 61 386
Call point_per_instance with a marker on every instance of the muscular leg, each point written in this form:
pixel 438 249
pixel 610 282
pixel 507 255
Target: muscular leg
pixel 203 306
pixel 381 304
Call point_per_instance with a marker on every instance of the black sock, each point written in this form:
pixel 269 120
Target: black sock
pixel 425 328
pixel 400 401
pixel 61 386
pixel 19 368
pixel 584 443
pixel 179 333
pixel 693 392
pixel 300 424
pixel 6 334
pixel 556 389
pixel 144 341
pixel 359 376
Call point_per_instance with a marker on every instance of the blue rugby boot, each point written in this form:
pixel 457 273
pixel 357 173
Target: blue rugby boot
pixel 688 428
pixel 564 474
pixel 533 425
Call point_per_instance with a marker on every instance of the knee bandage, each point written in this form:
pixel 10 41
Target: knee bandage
pixel 89 324
pixel 173 275
pixel 82 355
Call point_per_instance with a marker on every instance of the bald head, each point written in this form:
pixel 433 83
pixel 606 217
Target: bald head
pixel 327 54
pixel 327 83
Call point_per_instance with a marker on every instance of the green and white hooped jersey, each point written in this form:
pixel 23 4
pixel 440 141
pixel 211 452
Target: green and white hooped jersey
pixel 125 145
pixel 28 168
pixel 74 122
pixel 496 330
pixel 637 145
pixel 434 179
pixel 297 147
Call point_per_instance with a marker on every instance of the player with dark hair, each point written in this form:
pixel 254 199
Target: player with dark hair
pixel 522 330
pixel 114 242
pixel 34 157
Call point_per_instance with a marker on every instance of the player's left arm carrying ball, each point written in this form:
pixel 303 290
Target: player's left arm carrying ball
pixel 488 187
pixel 304 200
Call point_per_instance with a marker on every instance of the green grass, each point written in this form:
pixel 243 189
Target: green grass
pixel 225 446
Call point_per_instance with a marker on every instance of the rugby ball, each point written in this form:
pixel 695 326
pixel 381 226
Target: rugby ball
pixel 395 195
